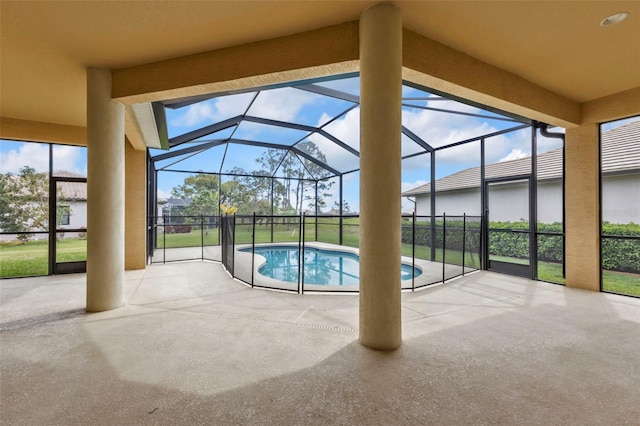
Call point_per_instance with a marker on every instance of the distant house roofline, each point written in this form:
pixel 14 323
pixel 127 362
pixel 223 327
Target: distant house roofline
pixel 620 155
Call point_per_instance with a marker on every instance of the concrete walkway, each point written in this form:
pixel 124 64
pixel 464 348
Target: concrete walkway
pixel 195 347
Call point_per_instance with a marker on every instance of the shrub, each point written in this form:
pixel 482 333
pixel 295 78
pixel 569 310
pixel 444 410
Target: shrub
pixel 617 254
pixel 178 229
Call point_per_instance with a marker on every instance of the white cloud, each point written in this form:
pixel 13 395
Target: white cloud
pixel 36 155
pixel 27 154
pixel 499 147
pixel 230 106
pixel 410 185
pixel 196 114
pixel 347 129
pixel 67 158
pixel 420 162
pixel 163 194
pixel 281 104
pixel 515 154
pixel 407 205
pixel 347 85
pixel 213 110
pixel 438 129
pixel 547 144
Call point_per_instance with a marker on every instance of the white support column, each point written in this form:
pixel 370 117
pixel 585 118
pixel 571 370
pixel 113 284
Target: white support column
pixel 105 193
pixel 380 176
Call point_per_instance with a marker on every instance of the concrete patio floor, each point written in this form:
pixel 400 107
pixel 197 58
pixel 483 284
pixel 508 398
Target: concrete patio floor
pixel 193 346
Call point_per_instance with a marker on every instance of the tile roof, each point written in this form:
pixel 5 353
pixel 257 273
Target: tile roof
pixel 620 153
pixel 71 191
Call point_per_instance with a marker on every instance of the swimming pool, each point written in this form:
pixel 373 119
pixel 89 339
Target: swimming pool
pixel 322 267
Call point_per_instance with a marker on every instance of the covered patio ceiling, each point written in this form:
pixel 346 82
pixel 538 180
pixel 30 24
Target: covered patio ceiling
pixel 558 46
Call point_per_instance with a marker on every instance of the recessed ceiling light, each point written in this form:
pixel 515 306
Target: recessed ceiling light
pixel 616 18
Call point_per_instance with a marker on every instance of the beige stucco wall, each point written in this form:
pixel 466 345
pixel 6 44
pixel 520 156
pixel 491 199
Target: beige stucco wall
pixel 582 198
pixel 135 208
pixel 25 130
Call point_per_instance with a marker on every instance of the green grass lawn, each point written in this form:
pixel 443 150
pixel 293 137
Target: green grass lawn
pixel 612 281
pixel 619 282
pixel 550 272
pixel 32 258
pixel 190 239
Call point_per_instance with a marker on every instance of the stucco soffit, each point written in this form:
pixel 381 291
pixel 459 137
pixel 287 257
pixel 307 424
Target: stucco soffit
pixel 434 65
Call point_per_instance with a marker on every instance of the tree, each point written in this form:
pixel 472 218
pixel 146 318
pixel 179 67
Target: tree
pixel 24 202
pixel 202 191
pixel 252 192
pixel 345 206
pixel 291 192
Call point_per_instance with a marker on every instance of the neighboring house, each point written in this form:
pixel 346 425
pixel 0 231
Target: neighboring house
pixel 72 202
pixel 332 212
pixel 71 205
pixel 172 209
pixel 459 193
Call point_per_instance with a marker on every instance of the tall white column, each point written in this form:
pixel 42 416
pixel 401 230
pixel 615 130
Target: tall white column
pixel 380 176
pixel 105 194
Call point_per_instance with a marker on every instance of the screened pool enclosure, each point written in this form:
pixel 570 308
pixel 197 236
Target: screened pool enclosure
pixel 285 162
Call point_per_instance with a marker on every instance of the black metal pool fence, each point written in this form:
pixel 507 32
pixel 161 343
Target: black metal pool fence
pixel 440 247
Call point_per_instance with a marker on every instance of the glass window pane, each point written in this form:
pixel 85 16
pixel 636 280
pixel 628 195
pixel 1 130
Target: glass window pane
pixel 329 196
pixel 416 185
pixel 71 247
pixel 621 264
pixel 71 205
pixel 416 175
pixel 550 192
pixel 351 193
pixel 508 154
pixel 293 167
pixel 549 213
pixel 458 180
pixel 255 160
pixel 14 155
pixel 440 124
pixel 409 146
pixel 207 112
pixel 297 106
pixel 222 135
pixel 206 160
pixel 350 85
pixel 550 248
pixel 25 186
pixel 328 153
pixel 347 128
pixel 620 180
pixel 69 161
pixel 267 133
pixel 24 255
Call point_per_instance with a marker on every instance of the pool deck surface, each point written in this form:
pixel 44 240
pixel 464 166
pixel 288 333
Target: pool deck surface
pixel 432 272
pixel 193 346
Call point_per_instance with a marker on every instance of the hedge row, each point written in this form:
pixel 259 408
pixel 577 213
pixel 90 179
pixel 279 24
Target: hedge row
pixel 617 254
pixel 454 234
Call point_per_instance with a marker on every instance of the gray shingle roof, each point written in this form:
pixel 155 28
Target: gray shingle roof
pixel 620 153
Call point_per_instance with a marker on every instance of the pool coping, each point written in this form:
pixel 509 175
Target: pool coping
pixel 431 271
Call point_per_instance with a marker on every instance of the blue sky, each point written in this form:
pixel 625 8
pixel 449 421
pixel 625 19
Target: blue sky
pixel 302 107
pixel 289 104
pixel 15 154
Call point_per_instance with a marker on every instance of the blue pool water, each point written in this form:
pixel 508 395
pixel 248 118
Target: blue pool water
pixel 320 266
